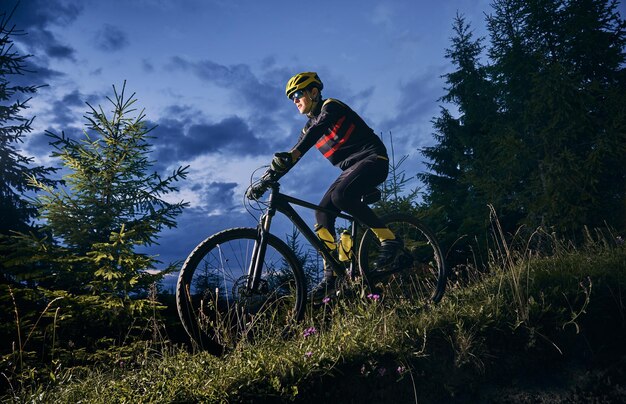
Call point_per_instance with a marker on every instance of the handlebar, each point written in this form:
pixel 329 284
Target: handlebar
pixel 257 189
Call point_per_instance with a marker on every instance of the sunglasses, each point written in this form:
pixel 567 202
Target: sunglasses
pixel 297 95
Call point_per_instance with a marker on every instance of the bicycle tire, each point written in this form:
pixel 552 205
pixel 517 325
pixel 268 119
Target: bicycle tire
pixel 425 276
pixel 216 309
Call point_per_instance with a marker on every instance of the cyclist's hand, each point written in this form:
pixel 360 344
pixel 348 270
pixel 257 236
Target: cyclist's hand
pixel 256 190
pixel 282 162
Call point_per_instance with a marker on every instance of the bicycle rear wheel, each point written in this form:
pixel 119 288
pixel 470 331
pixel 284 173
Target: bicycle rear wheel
pixel 423 275
pixel 216 306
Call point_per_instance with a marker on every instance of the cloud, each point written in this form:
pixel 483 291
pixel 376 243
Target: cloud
pixel 239 77
pixel 258 98
pixel 417 107
pixel 69 109
pixel 174 142
pixel 41 13
pixel 38 145
pixel 219 196
pixel 74 99
pixel 46 42
pixel 236 75
pixel 232 135
pixel 62 113
pixel 111 38
pixel 147 66
pixel 35 74
pixel 361 100
pixel 35 17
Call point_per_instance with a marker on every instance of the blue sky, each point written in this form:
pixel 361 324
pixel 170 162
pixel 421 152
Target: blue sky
pixel 211 75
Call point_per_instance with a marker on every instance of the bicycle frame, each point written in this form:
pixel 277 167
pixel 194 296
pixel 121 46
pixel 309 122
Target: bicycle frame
pixel 282 203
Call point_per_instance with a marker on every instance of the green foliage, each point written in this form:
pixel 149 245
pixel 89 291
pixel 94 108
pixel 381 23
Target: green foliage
pixel 556 89
pixel 15 168
pixel 87 270
pixel 540 130
pixel 110 182
pixel 457 210
pixel 111 204
pixel 528 310
pixel 395 197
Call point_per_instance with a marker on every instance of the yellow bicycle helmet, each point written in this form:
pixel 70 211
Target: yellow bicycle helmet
pixel 302 81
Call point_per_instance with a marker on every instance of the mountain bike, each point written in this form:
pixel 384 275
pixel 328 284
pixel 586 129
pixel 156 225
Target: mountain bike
pixel 242 281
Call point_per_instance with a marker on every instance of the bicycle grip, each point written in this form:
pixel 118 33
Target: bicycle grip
pixel 256 191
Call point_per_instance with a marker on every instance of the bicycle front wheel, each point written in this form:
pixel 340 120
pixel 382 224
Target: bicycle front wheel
pixel 217 302
pixel 423 275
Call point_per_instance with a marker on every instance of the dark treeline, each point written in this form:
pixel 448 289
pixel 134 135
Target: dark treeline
pixel 535 126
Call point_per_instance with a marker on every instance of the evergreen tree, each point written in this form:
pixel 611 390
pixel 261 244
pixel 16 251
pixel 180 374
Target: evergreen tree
pixel 16 213
pixel 463 151
pixel 111 204
pixel 539 132
pixel 114 202
pixel 559 69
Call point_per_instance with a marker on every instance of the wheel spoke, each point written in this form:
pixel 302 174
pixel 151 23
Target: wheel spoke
pixel 422 274
pixel 217 306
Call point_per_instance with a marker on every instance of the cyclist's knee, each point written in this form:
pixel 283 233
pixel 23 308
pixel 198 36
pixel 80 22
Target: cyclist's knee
pixel 321 218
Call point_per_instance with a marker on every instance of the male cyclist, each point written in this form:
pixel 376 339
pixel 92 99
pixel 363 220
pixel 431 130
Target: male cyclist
pixel 348 143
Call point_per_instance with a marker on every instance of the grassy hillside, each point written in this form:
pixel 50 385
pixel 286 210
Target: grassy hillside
pixel 533 329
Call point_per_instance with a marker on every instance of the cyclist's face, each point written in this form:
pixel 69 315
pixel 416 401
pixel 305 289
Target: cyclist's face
pixel 303 103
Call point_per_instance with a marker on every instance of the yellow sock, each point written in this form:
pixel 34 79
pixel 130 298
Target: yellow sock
pixel 326 237
pixel 384 234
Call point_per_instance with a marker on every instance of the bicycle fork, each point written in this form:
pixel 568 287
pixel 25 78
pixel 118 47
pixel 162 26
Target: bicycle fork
pixel 258 252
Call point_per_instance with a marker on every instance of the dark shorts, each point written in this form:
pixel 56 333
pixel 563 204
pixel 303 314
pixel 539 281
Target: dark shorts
pixel 345 193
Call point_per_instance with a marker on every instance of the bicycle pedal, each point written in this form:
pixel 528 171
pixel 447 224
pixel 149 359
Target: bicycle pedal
pixel 379 276
pixel 400 263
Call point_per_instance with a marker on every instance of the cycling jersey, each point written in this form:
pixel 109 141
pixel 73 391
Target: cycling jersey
pixel 339 134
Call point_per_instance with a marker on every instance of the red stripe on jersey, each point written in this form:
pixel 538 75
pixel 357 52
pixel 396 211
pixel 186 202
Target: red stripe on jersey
pixel 341 142
pixel 332 133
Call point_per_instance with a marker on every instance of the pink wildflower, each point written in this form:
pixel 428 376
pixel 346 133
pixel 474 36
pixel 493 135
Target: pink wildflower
pixel 309 331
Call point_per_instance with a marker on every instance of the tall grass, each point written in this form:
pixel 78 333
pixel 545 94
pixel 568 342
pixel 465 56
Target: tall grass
pixel 528 307
pixel 14 369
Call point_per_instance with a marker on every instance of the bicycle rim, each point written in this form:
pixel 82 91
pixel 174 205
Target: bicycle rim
pixel 216 306
pixel 423 276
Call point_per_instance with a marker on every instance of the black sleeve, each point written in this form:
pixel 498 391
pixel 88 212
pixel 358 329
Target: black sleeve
pixel 318 126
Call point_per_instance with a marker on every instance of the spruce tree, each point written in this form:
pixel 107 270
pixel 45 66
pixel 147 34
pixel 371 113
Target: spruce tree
pixel 463 149
pixel 539 130
pixel 111 204
pixel 558 66
pixel 16 213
